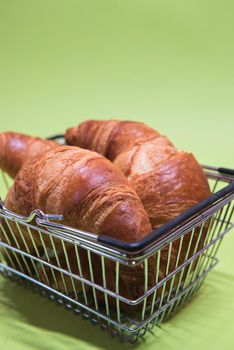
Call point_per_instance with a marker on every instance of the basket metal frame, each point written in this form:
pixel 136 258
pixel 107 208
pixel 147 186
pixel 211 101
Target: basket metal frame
pixel 155 306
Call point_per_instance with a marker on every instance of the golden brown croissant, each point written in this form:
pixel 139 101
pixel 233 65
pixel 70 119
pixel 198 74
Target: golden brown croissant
pixel 85 188
pixel 91 194
pixel 16 148
pixel 110 137
pixel 167 180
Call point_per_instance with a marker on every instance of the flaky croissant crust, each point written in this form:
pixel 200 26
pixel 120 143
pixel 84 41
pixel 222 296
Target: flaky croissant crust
pixel 16 148
pixel 167 180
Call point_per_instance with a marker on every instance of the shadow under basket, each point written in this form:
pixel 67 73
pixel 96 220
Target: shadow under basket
pixel 88 273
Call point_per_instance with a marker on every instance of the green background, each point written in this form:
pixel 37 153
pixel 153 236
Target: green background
pixel 168 63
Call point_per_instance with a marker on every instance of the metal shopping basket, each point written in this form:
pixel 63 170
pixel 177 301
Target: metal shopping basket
pixel 202 227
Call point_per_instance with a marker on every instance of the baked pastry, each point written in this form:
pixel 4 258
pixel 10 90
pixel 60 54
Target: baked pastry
pixel 84 187
pixel 16 148
pixel 110 137
pixel 92 195
pixel 167 180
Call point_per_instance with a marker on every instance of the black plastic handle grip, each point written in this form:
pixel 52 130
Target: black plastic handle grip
pixel 55 137
pixel 226 171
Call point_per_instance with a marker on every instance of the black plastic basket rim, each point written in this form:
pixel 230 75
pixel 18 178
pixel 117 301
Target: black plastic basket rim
pixel 169 226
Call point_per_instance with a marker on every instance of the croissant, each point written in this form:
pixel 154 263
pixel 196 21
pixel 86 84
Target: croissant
pixel 91 194
pixel 85 188
pixel 16 148
pixel 110 137
pixel 168 181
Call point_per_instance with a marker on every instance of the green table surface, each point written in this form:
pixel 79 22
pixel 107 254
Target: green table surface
pixel 168 63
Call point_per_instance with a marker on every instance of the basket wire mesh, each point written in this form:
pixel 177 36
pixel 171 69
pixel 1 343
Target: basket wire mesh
pixel 61 263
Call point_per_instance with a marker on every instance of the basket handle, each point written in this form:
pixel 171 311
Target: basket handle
pixel 226 171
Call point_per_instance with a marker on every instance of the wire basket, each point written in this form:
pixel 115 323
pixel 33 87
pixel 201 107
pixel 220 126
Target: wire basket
pixel 164 270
